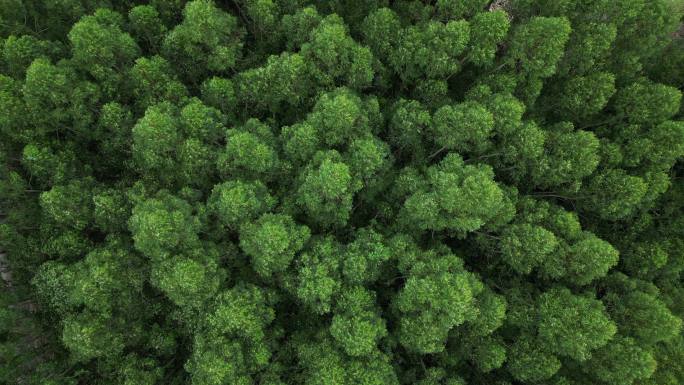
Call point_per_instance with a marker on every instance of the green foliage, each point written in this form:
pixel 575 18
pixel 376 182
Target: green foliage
pixel 432 50
pixel 487 29
pixel 248 152
pixel 622 361
pixel 614 194
pixel 162 225
pixel 155 139
pixel 101 48
pixel 147 26
pixel 335 57
pixel 219 93
pixel 326 189
pixel 356 325
pixel 572 325
pixel 537 45
pixel 588 259
pixel 18 52
pixel 381 31
pixel 637 314
pixel 451 9
pixel 208 39
pixel 364 257
pixel 325 365
pixel 271 242
pixel 297 27
pixel 88 337
pixel 318 275
pixel 153 81
pixel 464 128
pixel 408 126
pixel 281 81
pixel 529 361
pixel 647 102
pixel 569 156
pixel 341 115
pixel 341 192
pixel 584 96
pixel 231 344
pixel 237 202
pixel 458 197
pixel 59 205
pixel 525 246
pixel 437 296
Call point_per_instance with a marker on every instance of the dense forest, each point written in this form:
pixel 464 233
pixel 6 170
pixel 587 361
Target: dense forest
pixel 341 192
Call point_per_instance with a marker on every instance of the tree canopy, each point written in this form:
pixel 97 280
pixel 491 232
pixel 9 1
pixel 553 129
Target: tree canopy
pixel 341 192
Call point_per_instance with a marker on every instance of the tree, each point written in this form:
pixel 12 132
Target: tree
pixel 43 94
pixel 111 210
pixel 589 259
pixel 589 45
pixel 147 26
pixel 569 157
pixel 297 27
pixel 622 361
pixel 18 52
pixel 202 122
pixel 326 189
pixel 437 296
pixel 154 81
pixel 584 96
pixel 408 127
pixel 208 39
pixel 647 102
pixel 435 376
pixel 465 127
pixel 572 325
pixel 356 325
pixel 341 115
pixel 528 361
pixel 364 257
pixel 644 259
pixel 236 202
pixel 114 127
pixel 249 152
pixel 100 47
pixel 155 139
pixel 614 194
pixel 491 313
pixel 162 225
pixel 318 278
pixel 59 205
pixel 525 247
pixel 537 45
pixel 432 50
pixel 283 80
pixel 231 345
pixel 335 57
pixel 369 159
pixel 381 31
pixel 323 364
pixel 88 337
pixel 263 16
pixel 449 202
pixel 487 30
pixel 219 93
pixel 636 311
pixel 272 241
pixel 188 281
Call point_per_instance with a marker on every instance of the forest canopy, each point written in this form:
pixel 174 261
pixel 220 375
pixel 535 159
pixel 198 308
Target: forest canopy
pixel 341 192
